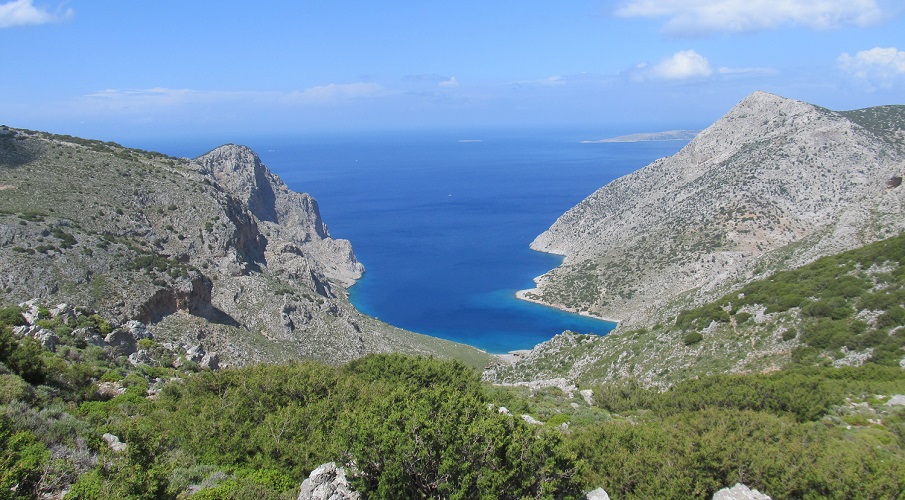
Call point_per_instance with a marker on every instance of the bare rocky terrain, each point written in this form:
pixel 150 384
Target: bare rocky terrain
pixel 773 184
pixel 215 251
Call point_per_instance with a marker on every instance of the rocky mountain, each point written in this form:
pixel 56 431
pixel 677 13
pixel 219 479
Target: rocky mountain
pixel 774 184
pixel 215 251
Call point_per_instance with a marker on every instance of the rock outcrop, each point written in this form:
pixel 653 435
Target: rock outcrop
pixel 774 184
pixel 215 252
pixel 327 482
pixel 739 492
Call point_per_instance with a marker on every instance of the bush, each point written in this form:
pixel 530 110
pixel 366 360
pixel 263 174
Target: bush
pixel 692 338
pixel 742 317
pixel 11 316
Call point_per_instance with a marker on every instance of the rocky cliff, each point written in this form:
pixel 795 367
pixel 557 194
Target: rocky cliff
pixel 215 251
pixel 773 184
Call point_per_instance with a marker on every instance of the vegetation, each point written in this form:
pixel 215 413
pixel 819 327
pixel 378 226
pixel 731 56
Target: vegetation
pixel 419 427
pixel 793 434
pixel 853 301
pixel 412 427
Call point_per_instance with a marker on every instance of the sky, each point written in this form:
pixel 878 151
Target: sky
pixel 123 70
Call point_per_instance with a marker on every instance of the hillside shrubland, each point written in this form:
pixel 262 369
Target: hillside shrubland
pixel 843 309
pixel 421 427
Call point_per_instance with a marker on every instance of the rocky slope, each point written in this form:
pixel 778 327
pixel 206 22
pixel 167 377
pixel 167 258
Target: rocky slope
pixel 215 251
pixel 774 184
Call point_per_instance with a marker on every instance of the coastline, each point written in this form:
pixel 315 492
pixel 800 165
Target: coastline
pixel 522 295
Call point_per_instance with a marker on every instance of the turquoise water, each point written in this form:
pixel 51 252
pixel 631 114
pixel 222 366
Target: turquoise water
pixel 442 222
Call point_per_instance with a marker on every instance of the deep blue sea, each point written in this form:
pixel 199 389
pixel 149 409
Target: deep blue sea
pixel 442 220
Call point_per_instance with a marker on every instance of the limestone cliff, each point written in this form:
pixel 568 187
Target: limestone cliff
pixel 773 184
pixel 215 251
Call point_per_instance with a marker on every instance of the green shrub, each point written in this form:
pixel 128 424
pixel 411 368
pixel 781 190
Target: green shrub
pixel 742 317
pixel 894 316
pixel 692 338
pixel 11 316
pixel 22 458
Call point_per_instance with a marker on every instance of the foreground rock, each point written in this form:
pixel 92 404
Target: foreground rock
pixel 327 482
pixel 739 492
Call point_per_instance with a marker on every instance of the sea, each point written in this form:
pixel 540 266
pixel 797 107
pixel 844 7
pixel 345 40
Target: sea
pixel 442 219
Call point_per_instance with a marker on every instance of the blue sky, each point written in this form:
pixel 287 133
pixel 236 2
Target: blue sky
pixel 119 70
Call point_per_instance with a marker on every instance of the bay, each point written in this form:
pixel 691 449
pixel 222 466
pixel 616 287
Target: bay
pixel 443 219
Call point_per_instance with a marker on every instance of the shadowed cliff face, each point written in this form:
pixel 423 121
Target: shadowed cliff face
pixel 773 184
pixel 290 221
pixel 216 250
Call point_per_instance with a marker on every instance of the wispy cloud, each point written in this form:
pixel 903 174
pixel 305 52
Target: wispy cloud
pixel 23 12
pixel 556 80
pixel 451 82
pixel 334 92
pixel 683 65
pixel 697 17
pixel 756 71
pixel 426 77
pixel 322 94
pixel 878 67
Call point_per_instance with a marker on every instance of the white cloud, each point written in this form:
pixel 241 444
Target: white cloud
pixel 22 12
pixel 683 65
pixel 694 17
pixel 879 66
pixel 451 82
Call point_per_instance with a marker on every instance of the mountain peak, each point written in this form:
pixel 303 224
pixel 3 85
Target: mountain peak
pixel 774 183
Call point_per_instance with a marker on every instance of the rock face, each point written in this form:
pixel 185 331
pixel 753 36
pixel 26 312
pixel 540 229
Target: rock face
pixel 297 240
pixel 327 482
pixel 215 252
pixel 774 184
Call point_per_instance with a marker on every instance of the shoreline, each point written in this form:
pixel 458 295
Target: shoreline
pixel 521 295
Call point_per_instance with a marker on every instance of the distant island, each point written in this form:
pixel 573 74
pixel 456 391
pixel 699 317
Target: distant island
pixel 669 135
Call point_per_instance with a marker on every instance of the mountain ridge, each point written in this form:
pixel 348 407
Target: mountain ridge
pixel 216 249
pixel 774 183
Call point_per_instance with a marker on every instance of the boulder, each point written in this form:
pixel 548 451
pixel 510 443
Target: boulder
pixel 210 361
pixel 140 357
pixel 897 400
pixel 110 389
pixel 114 443
pixel 64 312
pixel 598 494
pixel 89 335
pixel 195 354
pixel 739 492
pixel 121 340
pixel 32 312
pixel 47 338
pixel 327 482
pixel 137 329
pixel 531 420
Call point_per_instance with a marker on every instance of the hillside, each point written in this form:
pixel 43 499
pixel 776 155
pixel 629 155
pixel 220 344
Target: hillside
pixel 844 309
pixel 774 184
pixel 214 251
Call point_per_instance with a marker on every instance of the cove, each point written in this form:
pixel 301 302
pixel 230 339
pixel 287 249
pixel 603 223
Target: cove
pixel 443 219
